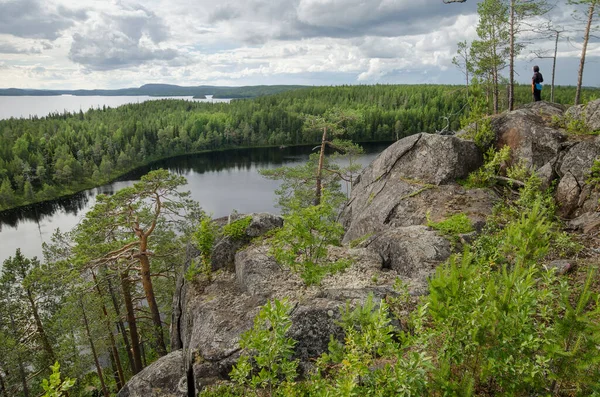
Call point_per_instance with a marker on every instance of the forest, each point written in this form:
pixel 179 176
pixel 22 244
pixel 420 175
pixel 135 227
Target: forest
pixel 45 158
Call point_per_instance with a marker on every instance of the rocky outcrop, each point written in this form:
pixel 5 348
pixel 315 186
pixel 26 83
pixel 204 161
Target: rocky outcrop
pixel 215 314
pixel 573 194
pixel 589 114
pixel 409 184
pixel 525 131
pixel 163 378
pixel 412 177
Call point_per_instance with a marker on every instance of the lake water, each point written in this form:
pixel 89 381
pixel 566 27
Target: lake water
pixel 25 106
pixel 219 181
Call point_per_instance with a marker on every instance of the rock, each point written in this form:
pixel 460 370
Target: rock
pixel 256 271
pixel 529 139
pixel 561 266
pixel 585 223
pixel 223 255
pixel 589 113
pixel 417 165
pixel 163 378
pixel 214 316
pixel 546 175
pixel 413 252
pixel 579 159
pixel 567 195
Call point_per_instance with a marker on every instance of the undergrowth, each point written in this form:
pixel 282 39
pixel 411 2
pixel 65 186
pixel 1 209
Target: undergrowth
pixel 495 322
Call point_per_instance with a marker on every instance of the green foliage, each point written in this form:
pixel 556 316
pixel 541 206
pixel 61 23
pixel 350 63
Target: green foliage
pixel 301 244
pixel 485 176
pixel 453 226
pixel 481 132
pixel 267 356
pixel 65 153
pixel 594 178
pixel 237 229
pixel 204 238
pixel 54 386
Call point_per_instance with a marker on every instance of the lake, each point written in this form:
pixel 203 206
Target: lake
pixel 40 106
pixel 219 181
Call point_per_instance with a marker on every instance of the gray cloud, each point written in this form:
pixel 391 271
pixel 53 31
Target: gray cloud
pixel 121 40
pixel 6 48
pixel 224 13
pixel 30 19
pixel 258 21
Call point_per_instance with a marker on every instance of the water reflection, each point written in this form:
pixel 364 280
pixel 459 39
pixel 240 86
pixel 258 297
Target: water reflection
pixel 219 181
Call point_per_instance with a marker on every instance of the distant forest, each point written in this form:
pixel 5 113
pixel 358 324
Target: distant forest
pixel 163 90
pixel 45 158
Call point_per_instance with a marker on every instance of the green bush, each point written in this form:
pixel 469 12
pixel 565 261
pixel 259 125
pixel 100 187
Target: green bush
pixel 237 229
pixel 485 176
pixel 204 238
pixel 453 226
pixel 267 355
pixel 301 244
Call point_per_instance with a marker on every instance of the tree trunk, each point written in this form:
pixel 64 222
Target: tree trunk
pixel 511 71
pixel 115 353
pixel 135 341
pixel 93 348
pixel 161 349
pixel 320 168
pixel 554 67
pixel 115 372
pixel 583 51
pixel 121 326
pixel 3 391
pixel 21 368
pixel 40 328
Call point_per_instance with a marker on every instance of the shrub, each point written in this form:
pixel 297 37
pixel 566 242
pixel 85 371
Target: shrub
pixel 301 244
pixel 237 229
pixel 267 356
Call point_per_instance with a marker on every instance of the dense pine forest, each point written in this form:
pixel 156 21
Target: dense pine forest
pixel 45 158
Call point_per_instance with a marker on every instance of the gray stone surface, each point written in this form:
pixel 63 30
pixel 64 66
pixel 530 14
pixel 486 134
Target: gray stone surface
pixel 561 266
pixel 163 378
pixel 579 158
pixel 585 223
pixel 413 251
pixel 567 195
pixel 214 315
pixel 410 174
pixel 531 141
pixel 589 113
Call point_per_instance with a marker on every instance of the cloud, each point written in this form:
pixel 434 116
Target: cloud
pixel 7 48
pixel 119 39
pixel 33 19
pixel 224 13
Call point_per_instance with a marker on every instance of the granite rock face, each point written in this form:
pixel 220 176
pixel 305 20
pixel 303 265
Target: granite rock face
pixel 163 378
pixel 397 188
pixel 589 114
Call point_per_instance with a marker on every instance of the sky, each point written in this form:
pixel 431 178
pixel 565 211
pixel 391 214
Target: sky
pixel 66 44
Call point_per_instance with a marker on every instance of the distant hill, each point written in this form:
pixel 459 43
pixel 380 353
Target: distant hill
pixel 163 90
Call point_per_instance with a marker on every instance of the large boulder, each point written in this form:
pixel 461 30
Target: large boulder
pixel 589 114
pixel 567 195
pixel 417 165
pixel 413 252
pixel 573 194
pixel 528 135
pixel 163 378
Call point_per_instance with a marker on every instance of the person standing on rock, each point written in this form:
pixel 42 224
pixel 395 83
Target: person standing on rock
pixel 536 84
